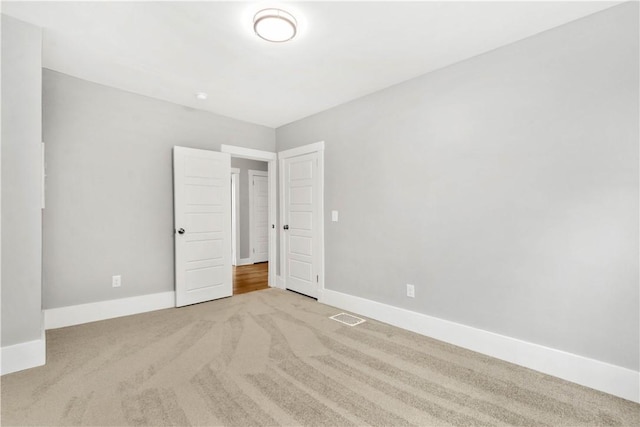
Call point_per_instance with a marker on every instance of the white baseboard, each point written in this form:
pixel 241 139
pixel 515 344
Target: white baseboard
pixel 23 356
pixel 92 312
pixel 244 261
pixel 612 379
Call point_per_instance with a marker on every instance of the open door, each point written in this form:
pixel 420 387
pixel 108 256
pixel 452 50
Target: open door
pixel 202 204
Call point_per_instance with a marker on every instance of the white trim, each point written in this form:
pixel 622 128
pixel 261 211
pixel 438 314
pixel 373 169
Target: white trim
pixel 279 282
pixel 252 174
pixel 281 219
pixel 612 379
pixel 18 357
pixel 235 215
pixel 272 168
pixel 44 175
pixel 92 312
pixel 299 151
pixel 248 153
pixel 295 152
pixel 321 217
pixel 244 261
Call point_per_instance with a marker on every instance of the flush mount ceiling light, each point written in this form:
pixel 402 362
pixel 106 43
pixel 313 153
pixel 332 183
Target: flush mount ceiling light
pixel 275 25
pixel 202 95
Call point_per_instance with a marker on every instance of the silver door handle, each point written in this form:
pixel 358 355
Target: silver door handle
pixel 181 231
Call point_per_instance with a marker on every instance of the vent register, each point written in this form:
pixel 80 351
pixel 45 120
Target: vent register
pixel 347 319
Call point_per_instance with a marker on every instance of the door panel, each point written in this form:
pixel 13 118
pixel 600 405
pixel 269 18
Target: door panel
pixel 203 250
pixel 301 195
pixel 202 204
pixel 301 216
pixel 301 270
pixel 301 220
pixel 198 278
pixel 300 245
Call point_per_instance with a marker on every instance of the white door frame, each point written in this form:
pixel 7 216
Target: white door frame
pixel 271 159
pixel 252 243
pixel 235 214
pixel 294 152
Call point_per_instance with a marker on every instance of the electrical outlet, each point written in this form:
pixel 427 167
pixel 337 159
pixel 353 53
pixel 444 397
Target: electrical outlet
pixel 411 291
pixel 116 281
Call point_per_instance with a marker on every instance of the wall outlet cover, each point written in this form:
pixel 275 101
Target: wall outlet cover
pixel 411 291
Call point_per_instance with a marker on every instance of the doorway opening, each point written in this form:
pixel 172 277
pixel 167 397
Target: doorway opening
pixel 253 189
pixel 250 224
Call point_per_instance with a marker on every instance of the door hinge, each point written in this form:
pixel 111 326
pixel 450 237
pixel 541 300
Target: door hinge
pixel 317 278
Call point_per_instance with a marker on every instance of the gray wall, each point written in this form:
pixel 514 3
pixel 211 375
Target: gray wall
pixel 504 187
pixel 21 182
pixel 109 186
pixel 243 201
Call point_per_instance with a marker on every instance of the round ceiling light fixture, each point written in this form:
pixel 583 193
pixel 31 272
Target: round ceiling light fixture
pixel 275 25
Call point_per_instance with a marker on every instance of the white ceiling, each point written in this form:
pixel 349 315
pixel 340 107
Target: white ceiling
pixel 344 50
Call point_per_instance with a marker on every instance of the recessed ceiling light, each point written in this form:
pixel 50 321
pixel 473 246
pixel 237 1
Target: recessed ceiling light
pixel 275 25
pixel 202 95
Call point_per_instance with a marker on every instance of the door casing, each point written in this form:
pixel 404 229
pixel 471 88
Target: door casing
pixel 235 213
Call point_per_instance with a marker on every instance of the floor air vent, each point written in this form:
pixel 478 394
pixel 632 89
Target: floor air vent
pixel 347 319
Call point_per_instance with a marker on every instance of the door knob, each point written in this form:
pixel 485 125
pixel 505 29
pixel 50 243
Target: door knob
pixel 181 231
pixel 286 227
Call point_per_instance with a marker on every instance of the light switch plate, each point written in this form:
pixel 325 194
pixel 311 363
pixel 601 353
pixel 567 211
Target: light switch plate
pixel 334 216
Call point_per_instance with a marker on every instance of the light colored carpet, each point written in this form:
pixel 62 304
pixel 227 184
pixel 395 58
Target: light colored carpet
pixel 274 358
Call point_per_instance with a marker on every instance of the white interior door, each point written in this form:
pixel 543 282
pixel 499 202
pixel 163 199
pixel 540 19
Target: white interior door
pixel 301 240
pixel 259 215
pixel 202 203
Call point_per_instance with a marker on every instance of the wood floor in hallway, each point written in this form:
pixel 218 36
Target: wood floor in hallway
pixel 248 278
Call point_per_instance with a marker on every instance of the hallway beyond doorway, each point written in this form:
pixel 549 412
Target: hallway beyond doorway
pixel 248 278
